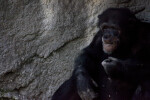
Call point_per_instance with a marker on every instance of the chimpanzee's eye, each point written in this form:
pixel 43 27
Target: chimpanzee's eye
pixel 104 28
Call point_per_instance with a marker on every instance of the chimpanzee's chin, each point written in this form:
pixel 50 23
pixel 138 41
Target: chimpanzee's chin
pixel 109 48
pixel 109 53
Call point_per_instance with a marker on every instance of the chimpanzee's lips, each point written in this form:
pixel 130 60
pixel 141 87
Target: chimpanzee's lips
pixel 109 48
pixel 110 45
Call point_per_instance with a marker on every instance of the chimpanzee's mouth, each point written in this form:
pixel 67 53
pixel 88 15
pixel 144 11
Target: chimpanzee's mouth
pixel 110 47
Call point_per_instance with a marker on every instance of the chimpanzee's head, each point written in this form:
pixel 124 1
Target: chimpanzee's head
pixel 117 27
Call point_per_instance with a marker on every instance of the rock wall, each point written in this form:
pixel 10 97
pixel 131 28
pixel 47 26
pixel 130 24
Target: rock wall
pixel 39 40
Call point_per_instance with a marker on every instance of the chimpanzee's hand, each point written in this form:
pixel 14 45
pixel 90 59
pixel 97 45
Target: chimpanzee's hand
pixel 113 67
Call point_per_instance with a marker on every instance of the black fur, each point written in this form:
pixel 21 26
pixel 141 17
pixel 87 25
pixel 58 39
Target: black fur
pixel 121 75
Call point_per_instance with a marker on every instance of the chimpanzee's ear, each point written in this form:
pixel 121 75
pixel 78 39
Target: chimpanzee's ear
pixel 99 16
pixel 133 22
pixel 99 20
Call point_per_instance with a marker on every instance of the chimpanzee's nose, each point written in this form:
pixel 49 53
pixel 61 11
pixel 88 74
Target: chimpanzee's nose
pixel 107 36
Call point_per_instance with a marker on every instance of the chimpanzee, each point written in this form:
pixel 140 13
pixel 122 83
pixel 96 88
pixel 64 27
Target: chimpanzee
pixel 115 65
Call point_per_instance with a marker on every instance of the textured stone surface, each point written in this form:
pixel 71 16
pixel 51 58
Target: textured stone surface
pixel 39 40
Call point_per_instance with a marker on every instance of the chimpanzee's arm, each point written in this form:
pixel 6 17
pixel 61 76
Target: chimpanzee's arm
pixel 86 66
pixel 81 85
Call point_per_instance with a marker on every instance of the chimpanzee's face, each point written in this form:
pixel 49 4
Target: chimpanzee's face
pixel 110 38
pixel 115 28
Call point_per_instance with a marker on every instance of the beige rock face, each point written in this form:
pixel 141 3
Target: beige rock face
pixel 39 40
